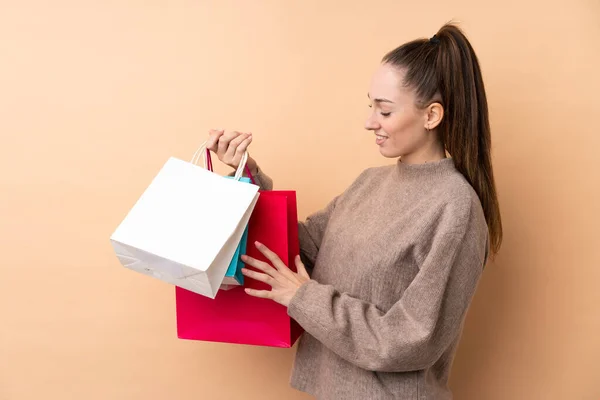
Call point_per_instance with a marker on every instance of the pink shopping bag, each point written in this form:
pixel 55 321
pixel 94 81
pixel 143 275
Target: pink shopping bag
pixel 233 316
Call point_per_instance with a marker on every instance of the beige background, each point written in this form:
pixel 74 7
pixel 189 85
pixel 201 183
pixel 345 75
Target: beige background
pixel 95 96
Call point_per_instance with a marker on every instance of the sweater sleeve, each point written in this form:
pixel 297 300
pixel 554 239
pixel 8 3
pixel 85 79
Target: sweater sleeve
pixel 262 180
pixel 311 232
pixel 419 327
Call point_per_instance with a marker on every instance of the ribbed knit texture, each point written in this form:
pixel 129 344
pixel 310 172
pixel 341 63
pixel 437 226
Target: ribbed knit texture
pixel 395 261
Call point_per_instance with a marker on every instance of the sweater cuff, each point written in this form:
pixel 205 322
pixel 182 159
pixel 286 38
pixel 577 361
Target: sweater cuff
pixel 262 180
pixel 299 304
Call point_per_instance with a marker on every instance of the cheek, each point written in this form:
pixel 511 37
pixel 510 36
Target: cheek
pixel 396 125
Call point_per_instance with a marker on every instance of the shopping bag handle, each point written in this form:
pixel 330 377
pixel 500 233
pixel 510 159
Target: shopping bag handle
pixel 250 174
pixel 205 154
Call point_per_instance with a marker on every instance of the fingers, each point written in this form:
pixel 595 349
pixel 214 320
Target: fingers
pixel 244 145
pixel 275 260
pixel 224 141
pixel 301 268
pixel 259 277
pixel 213 139
pixel 241 149
pixel 271 256
pixel 264 294
pixel 234 151
pixel 229 146
pixel 259 265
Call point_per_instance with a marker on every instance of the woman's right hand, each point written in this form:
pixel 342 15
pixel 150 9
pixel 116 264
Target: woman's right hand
pixel 230 147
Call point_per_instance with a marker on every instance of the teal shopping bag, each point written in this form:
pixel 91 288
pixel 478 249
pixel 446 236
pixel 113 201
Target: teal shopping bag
pixel 234 274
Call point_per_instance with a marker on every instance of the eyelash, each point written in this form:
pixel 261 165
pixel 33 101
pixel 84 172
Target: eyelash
pixel 384 114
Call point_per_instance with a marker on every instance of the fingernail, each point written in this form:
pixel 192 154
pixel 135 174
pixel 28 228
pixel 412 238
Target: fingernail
pixel 244 257
pixel 258 244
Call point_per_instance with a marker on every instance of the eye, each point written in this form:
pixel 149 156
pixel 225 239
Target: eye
pixel 386 114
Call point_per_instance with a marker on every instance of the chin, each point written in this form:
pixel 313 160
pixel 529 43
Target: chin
pixel 390 153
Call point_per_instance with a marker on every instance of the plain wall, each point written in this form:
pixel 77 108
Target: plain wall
pixel 96 95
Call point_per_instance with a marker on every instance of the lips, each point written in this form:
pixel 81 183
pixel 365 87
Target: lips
pixel 380 139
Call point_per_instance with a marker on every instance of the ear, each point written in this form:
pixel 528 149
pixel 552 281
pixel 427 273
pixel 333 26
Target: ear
pixel 434 113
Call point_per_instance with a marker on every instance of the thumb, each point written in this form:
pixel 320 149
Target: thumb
pixel 301 268
pixel 213 139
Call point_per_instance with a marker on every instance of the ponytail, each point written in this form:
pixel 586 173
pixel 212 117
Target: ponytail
pixel 446 69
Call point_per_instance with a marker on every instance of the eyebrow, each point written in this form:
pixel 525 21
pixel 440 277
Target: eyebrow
pixel 380 100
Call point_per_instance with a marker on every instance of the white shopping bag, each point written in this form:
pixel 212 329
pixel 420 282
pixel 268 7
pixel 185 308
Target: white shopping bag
pixel 186 226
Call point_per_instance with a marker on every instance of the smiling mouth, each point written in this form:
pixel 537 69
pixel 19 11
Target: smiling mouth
pixel 380 140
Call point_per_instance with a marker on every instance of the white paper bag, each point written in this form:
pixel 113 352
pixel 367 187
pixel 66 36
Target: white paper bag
pixel 186 226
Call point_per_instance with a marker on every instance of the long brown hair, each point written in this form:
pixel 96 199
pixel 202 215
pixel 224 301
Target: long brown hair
pixel 445 69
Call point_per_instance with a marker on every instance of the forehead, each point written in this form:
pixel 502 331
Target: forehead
pixel 387 82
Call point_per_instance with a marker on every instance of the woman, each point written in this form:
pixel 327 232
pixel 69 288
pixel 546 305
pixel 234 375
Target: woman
pixel 394 260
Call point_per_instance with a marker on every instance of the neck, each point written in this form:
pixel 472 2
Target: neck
pixel 431 153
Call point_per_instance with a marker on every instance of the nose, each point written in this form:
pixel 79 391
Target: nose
pixel 371 124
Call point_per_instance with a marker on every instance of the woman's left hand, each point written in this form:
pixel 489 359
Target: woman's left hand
pixel 283 281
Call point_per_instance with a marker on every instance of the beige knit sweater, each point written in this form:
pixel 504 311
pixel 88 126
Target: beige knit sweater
pixel 395 261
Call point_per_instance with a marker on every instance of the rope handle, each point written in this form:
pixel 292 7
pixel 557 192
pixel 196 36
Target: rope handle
pixel 204 152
